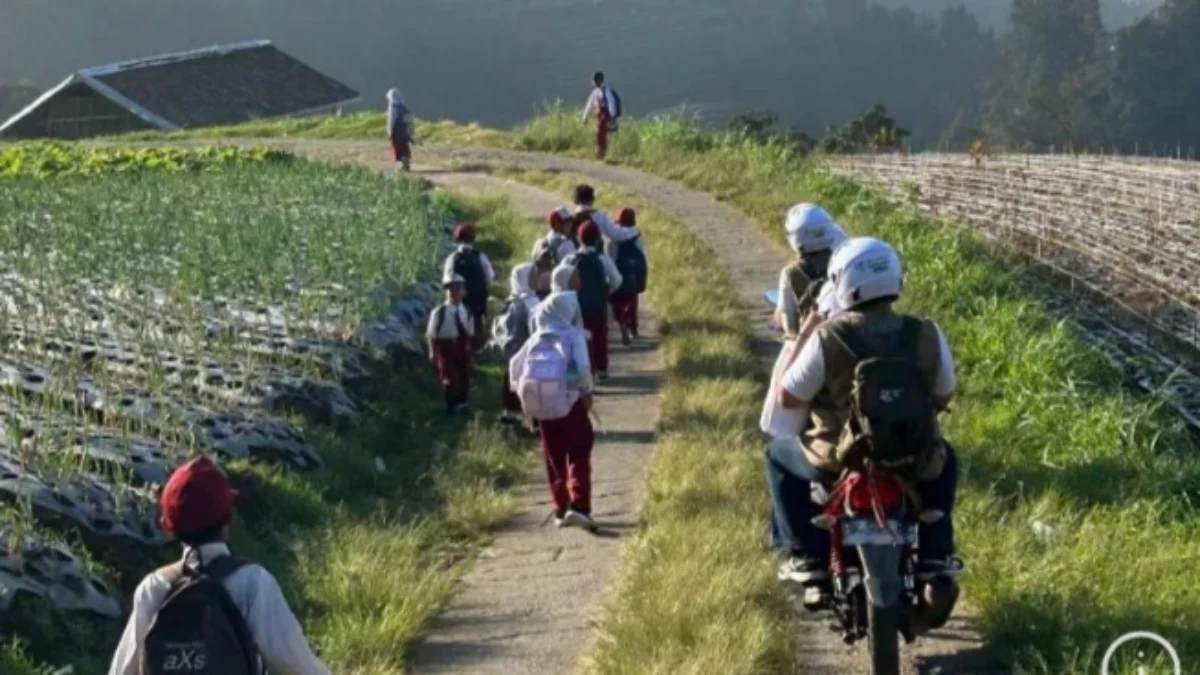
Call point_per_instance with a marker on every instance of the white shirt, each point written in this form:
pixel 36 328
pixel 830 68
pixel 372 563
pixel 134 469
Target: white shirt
pixel 594 100
pixel 807 375
pixel 577 343
pixel 489 273
pixel 276 633
pixel 610 230
pixel 447 328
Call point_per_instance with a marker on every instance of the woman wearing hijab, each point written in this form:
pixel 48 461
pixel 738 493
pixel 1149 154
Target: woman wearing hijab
pixel 512 331
pixel 400 128
pixel 567 439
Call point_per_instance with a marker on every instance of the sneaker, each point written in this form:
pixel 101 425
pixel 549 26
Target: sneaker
pixel 602 375
pixel 626 339
pixel 933 566
pixel 559 519
pixel 577 518
pixel 803 570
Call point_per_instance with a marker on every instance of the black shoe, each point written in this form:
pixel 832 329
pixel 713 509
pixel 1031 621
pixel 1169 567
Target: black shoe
pixel 626 337
pixel 939 565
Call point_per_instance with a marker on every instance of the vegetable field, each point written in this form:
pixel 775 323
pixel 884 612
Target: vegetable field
pixel 1122 230
pixel 159 302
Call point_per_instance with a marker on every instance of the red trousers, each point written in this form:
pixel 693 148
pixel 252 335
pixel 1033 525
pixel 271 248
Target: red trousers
pixel 401 148
pixel 508 398
pixel 567 445
pixel 601 135
pixel 625 309
pixel 452 359
pixel 597 324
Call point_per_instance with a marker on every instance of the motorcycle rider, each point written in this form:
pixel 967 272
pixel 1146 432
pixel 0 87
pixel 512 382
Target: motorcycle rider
pixel 813 234
pixel 866 277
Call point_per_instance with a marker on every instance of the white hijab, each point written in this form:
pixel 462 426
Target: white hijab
pixel 555 314
pixel 395 98
pixel 560 278
pixel 521 279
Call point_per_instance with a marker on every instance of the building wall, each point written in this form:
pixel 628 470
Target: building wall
pixel 76 112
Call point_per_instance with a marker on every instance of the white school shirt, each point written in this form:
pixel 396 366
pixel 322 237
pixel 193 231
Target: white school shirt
pixel 807 375
pixel 610 230
pixel 489 273
pixel 447 328
pixel 594 101
pixel 277 634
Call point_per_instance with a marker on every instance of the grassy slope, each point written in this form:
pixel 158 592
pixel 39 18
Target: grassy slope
pixel 1046 428
pixel 365 557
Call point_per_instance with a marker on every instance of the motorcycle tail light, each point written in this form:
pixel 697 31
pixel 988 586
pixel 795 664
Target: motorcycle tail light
pixel 887 490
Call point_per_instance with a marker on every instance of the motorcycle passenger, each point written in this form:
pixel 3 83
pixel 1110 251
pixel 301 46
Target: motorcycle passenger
pixel 866 277
pixel 813 235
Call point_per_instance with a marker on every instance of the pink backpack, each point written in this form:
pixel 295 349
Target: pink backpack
pixel 542 384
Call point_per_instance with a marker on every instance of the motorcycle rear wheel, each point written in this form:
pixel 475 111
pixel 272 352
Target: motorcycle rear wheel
pixel 883 639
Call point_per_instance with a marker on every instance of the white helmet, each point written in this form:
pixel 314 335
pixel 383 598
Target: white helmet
pixel 811 229
pixel 864 269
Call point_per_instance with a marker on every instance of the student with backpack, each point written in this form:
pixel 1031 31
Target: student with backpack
pixel 585 210
pixel 867 348
pixel 552 249
pixel 510 332
pixel 449 336
pixel 598 278
pixel 209 613
pixel 631 261
pixel 552 378
pixel 605 104
pixel 400 128
pixel 478 274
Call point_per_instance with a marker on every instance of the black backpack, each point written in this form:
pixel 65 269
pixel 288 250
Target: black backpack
pixel 198 629
pixel 893 420
pixel 468 265
pixel 631 263
pixel 616 100
pixel 593 282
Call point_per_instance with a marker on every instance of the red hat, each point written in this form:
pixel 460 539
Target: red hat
pixel 197 497
pixel 464 232
pixel 627 216
pixel 589 232
pixel 558 217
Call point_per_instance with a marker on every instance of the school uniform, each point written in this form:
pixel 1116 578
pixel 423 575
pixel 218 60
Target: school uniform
pixel 451 331
pixel 602 103
pixel 476 305
pixel 528 301
pixel 596 285
pixel 567 442
pixel 625 305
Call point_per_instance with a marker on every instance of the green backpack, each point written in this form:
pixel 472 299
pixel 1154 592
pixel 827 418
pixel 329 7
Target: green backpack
pixel 893 419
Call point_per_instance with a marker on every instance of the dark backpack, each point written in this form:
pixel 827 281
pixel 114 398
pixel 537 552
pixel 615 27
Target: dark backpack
pixel 893 420
pixel 593 282
pixel 616 100
pixel 469 266
pixel 631 263
pixel 198 629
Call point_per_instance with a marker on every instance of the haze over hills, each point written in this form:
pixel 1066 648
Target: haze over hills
pixel 495 61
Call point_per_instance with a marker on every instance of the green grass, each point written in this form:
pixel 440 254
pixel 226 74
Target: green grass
pixel 696 588
pixel 364 557
pixel 1047 430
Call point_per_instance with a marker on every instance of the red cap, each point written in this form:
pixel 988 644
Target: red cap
pixel 589 232
pixel 558 217
pixel 627 217
pixel 197 497
pixel 464 232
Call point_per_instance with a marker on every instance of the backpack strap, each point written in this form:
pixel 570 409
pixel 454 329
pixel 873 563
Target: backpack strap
pixel 850 339
pixel 222 567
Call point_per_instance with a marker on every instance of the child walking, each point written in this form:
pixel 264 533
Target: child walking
pixel 598 278
pixel 400 128
pixel 631 260
pixel 478 274
pixel 511 332
pixel 552 249
pixel 554 384
pixel 449 337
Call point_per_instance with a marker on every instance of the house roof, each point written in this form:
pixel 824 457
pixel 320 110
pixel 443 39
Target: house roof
pixel 223 84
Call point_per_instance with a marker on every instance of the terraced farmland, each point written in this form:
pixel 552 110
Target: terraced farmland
pixel 1124 231
pixel 159 302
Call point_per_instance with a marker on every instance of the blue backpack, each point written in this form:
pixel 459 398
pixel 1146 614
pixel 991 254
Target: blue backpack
pixel 632 265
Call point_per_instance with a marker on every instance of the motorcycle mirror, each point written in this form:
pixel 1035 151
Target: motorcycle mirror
pixel 929 516
pixel 824 521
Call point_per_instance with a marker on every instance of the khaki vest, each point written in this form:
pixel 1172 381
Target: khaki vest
pixel 802 284
pixel 831 407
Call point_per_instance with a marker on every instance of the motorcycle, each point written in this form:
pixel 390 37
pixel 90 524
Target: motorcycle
pixel 872 518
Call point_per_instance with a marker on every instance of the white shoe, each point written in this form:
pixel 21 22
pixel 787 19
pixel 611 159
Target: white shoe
pixel 575 518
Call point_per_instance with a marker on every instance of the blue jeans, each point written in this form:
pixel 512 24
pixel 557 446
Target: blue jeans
pixel 790 476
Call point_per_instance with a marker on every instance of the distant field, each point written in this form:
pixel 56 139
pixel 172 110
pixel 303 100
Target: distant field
pixel 157 302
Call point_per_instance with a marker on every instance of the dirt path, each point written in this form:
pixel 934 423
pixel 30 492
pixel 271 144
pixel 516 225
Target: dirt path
pixel 527 605
pixel 753 263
